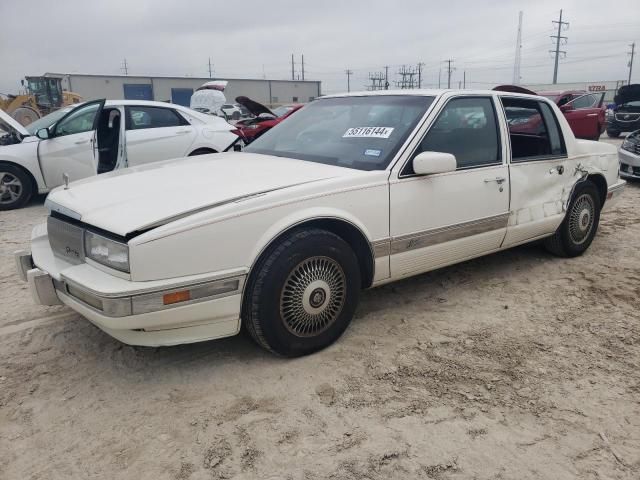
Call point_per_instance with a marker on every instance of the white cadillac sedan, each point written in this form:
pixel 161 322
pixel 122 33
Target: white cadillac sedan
pixel 360 190
pixel 96 137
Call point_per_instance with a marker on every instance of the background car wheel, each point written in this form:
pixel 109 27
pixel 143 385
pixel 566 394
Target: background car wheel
pixel 202 151
pixel 303 293
pixel 580 224
pixel 15 187
pixel 613 133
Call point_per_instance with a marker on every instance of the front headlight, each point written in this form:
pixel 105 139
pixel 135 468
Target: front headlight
pixel 106 251
pixel 627 145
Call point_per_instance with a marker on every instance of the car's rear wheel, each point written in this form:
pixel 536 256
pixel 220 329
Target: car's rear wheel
pixel 613 133
pixel 15 187
pixel 580 224
pixel 303 293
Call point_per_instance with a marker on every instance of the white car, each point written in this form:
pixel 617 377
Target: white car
pixel 88 139
pixel 231 111
pixel 629 155
pixel 361 190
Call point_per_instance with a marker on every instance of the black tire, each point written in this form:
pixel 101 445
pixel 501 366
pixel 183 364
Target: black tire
pixel 202 151
pixel 16 187
pixel 289 281
pixel 613 133
pixel 580 224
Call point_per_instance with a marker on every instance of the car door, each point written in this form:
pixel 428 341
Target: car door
pixel 156 133
pixel 582 113
pixel 70 148
pixel 439 219
pixel 540 171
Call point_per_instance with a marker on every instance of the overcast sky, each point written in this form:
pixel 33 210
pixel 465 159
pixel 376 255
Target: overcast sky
pixel 253 39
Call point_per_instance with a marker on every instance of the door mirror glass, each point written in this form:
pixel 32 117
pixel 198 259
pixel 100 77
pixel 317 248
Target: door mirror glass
pixel 42 133
pixel 428 163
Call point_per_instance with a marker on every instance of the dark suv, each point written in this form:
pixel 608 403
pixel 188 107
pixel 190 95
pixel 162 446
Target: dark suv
pixel 626 114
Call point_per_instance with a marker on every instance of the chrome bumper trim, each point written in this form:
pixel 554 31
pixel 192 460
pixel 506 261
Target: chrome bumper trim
pixel 137 304
pixel 24 263
pixel 42 287
pixel 617 188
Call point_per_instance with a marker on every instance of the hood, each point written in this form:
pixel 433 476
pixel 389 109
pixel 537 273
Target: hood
pixel 140 198
pixel 627 93
pixel 207 100
pixel 254 107
pixel 10 124
pixel 513 89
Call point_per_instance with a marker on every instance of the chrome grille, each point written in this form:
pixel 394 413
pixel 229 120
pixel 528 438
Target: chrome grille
pixel 66 240
pixel 627 117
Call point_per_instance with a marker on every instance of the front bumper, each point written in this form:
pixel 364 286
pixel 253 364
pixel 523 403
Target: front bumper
pixel 622 126
pixel 614 192
pixel 629 164
pixel 136 313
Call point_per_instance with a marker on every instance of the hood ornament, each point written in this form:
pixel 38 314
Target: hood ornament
pixel 65 179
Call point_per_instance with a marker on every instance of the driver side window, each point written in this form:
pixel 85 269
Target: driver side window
pixel 80 120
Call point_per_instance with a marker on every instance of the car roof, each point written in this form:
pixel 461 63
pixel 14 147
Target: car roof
pixel 558 93
pixel 146 103
pixel 430 93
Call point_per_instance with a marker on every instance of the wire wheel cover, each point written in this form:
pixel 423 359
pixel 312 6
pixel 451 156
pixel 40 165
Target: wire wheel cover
pixel 313 296
pixel 581 219
pixel 10 187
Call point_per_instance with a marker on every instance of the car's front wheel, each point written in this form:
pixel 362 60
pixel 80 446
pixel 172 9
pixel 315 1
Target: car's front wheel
pixel 613 133
pixel 15 187
pixel 580 223
pixel 303 293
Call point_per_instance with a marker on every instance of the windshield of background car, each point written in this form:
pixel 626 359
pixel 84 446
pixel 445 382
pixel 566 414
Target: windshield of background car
pixel 47 120
pixel 635 103
pixel 281 111
pixel 354 132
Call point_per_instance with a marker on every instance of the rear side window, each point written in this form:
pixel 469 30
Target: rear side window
pixel 533 130
pixel 152 117
pixel 584 101
pixel 466 128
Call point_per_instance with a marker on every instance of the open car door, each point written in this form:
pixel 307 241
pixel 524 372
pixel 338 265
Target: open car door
pixel 71 145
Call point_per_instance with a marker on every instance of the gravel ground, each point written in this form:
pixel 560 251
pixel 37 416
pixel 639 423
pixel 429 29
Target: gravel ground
pixel 517 365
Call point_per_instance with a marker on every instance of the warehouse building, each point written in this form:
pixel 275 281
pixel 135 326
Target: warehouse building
pixel 608 87
pixel 179 89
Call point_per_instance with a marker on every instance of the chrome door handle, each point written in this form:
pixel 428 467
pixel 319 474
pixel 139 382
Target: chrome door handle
pixel 498 180
pixel 80 142
pixel 182 132
pixel 592 114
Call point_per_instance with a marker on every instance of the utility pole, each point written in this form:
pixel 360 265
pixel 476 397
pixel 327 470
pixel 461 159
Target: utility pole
pixel 420 65
pixel 386 77
pixel 293 75
pixel 377 81
pixel 349 73
pixel 449 71
pixel 558 38
pixel 631 54
pixel 517 60
pixel 125 67
pixel 210 69
pixel 303 67
pixel 439 75
pixel 464 79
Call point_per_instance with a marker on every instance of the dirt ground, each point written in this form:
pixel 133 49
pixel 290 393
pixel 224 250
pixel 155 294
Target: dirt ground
pixel 517 365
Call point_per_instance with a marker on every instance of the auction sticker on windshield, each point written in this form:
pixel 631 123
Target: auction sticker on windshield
pixel 368 132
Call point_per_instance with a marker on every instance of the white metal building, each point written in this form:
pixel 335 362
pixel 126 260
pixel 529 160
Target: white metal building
pixel 179 89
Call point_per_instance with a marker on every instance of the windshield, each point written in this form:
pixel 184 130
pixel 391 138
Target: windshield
pixel 47 120
pixel 635 103
pixel 355 132
pixel 281 111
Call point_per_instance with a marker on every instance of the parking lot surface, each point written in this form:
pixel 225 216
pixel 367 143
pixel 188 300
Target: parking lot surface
pixel 519 365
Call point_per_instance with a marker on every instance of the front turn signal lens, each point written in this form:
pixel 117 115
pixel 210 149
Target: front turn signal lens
pixel 176 297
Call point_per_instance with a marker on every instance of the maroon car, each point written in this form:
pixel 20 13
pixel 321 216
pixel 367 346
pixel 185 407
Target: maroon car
pixel 264 119
pixel 584 111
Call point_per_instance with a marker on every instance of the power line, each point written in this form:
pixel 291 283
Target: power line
pixel 558 38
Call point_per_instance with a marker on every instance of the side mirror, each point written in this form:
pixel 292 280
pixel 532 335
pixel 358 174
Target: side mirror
pixel 43 133
pixel 567 107
pixel 428 163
